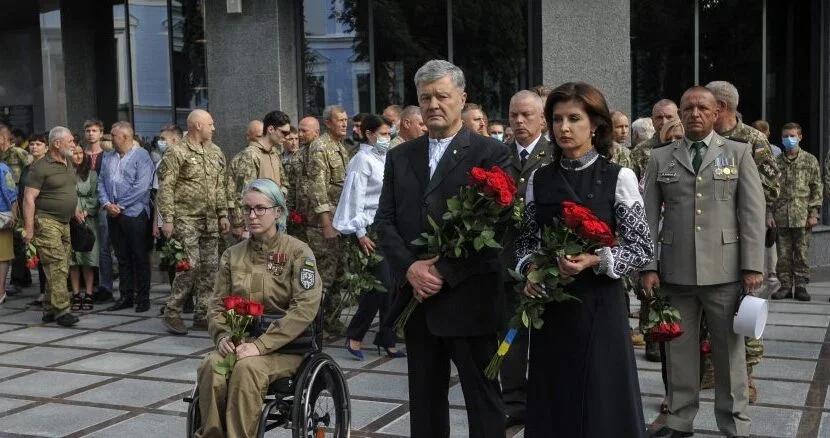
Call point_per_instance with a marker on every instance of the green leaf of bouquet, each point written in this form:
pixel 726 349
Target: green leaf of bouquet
pixel 525 319
pixel 573 249
pixel 453 204
pixel 493 244
pixel 538 323
pixel 478 243
pixel 516 275
pixel 536 276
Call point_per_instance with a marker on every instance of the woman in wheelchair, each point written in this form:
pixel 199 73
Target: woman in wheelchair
pixel 278 271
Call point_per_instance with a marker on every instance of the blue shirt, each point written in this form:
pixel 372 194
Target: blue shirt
pixel 9 191
pixel 125 181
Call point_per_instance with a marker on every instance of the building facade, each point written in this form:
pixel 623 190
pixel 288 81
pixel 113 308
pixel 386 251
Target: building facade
pixel 152 61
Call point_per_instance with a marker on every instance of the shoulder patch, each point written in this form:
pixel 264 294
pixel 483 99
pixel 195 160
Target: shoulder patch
pixel 308 261
pixel 768 170
pixel 307 277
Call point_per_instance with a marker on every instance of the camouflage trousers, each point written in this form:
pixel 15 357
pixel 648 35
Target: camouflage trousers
pixel 793 266
pixel 202 249
pixel 754 348
pixel 330 257
pixel 51 240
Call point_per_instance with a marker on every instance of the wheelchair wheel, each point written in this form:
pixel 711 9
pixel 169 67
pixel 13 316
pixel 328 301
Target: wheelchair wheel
pixel 194 417
pixel 321 401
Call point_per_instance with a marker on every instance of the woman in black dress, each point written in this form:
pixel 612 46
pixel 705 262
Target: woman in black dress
pixel 583 376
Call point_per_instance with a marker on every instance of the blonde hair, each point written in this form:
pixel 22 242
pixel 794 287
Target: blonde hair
pixel 668 126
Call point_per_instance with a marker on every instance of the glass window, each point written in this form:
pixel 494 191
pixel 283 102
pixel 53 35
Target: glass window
pixel 189 63
pixel 730 49
pixel 662 52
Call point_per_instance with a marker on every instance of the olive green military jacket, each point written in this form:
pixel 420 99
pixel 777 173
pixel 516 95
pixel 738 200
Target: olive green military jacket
pixel 801 190
pixel 244 168
pixel 713 221
pixel 281 274
pixel 192 185
pixel 326 170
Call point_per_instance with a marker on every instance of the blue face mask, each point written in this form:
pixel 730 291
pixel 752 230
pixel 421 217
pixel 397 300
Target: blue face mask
pixel 393 131
pixel 789 143
pixel 382 144
pixel 162 145
pixel 499 137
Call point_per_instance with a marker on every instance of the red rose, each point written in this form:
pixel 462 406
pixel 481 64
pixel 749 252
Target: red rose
pixel 505 198
pixel 477 176
pixel 255 309
pixel 241 307
pixel 676 329
pixel 597 231
pixel 705 347
pixel 574 214
pixel 232 301
pixel 296 218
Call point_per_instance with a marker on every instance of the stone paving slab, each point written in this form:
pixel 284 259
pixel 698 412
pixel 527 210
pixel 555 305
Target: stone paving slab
pixel 116 363
pixel 9 371
pixel 132 392
pixel 173 345
pixel 103 340
pixel 39 334
pixel 55 420
pixel 48 383
pixel 147 425
pixel 182 370
pixel 42 356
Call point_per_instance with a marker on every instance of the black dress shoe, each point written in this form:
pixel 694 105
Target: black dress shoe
pixel 48 317
pixel 512 421
pixel 67 320
pixel 102 296
pixel 142 307
pixel 120 305
pixel 667 432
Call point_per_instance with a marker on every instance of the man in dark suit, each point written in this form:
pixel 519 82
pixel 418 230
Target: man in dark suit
pixel 461 301
pixel 529 151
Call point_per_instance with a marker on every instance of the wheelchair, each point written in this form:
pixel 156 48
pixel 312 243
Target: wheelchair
pixel 312 404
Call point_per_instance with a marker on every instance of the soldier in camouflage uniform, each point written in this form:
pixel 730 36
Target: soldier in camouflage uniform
pixel 192 200
pixel 252 135
pixel 292 164
pixel 795 213
pixel 730 126
pixel 326 170
pixel 16 158
pixel 261 159
pixel 620 154
pixel 662 111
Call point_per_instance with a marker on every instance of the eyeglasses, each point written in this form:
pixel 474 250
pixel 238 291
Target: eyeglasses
pixel 259 210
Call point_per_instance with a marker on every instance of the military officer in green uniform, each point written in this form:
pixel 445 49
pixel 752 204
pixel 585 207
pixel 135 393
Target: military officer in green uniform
pixel 192 200
pixel 49 202
pixel 326 169
pixel 795 213
pixel 278 271
pixel 662 111
pixel 731 127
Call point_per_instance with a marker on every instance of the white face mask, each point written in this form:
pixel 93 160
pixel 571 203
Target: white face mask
pixel 162 145
pixel 499 137
pixel 382 144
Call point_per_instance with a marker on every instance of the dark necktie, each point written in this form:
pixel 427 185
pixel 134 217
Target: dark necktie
pixel 698 157
pixel 523 157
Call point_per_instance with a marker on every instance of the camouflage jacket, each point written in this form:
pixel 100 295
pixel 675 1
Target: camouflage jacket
pixel 295 173
pixel 764 159
pixel 801 190
pixel 641 153
pixel 827 176
pixel 16 158
pixel 244 168
pixel 326 172
pixel 192 184
pixel 396 140
pixel 620 155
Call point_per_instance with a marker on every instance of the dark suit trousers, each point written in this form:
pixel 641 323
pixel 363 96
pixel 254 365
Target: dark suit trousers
pixel 429 359
pixel 132 245
pixel 513 371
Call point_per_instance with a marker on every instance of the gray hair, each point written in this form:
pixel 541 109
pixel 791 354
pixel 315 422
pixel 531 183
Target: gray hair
pixel 410 111
pixel 662 103
pixel 724 92
pixel 57 133
pixel 642 129
pixel 332 109
pixel 125 126
pixel 270 189
pixel 527 94
pixel 436 69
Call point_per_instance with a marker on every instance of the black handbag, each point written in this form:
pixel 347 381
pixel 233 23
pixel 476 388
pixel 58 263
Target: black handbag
pixel 771 237
pixel 81 237
pixel 305 343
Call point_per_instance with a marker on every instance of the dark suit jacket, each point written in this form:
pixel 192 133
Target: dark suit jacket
pixel 541 156
pixel 471 302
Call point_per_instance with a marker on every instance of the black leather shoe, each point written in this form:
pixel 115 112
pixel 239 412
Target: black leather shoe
pixel 667 432
pixel 48 317
pixel 67 320
pixel 801 293
pixel 120 305
pixel 102 296
pixel 142 307
pixel 512 421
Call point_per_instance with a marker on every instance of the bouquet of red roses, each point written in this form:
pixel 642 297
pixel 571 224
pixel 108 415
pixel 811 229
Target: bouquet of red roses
pixel 173 254
pixel 31 257
pixel 469 223
pixel 663 320
pixel 239 314
pixel 582 232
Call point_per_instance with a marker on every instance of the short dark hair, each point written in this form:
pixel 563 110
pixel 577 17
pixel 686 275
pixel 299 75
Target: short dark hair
pixel 172 127
pixel 293 129
pixel 40 136
pixel 372 122
pixel 761 125
pixel 792 125
pixel 497 122
pixel 358 118
pixel 276 119
pixel 94 122
pixel 593 103
pixel 82 171
pixel 17 132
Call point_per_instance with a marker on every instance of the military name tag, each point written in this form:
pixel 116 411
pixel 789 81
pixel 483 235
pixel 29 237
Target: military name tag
pixel 667 175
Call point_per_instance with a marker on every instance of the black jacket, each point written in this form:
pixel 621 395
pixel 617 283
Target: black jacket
pixel 471 302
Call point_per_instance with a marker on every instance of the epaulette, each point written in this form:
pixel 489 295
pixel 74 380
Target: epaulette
pixel 663 144
pixel 738 139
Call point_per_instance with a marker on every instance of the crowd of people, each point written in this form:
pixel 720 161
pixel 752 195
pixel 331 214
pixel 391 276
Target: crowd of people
pixel 703 207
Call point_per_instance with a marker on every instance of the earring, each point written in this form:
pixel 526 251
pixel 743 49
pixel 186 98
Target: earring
pixel 593 133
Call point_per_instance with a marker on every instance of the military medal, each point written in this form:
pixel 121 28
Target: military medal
pixel 276 263
pixel 727 171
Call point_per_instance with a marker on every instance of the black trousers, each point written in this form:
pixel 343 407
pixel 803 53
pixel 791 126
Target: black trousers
pixel 132 247
pixel 429 359
pixel 513 371
pixel 371 303
pixel 20 275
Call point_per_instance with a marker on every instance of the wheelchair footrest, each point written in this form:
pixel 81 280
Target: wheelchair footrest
pixel 283 385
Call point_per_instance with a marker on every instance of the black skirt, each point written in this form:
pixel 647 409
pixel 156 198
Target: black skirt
pixel 583 375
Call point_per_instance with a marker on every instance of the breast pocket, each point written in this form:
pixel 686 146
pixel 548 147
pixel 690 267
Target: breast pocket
pixel 725 186
pixel 337 169
pixel 666 256
pixel 191 168
pixel 731 249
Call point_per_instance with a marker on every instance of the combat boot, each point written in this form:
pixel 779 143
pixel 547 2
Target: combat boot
pixel 801 294
pixel 174 324
pixel 652 351
pixel 782 293
pixel 708 379
pixel 753 391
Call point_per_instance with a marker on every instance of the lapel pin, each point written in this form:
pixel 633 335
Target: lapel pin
pixel 454 151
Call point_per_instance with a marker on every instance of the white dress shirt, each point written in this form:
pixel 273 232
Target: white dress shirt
pixel 529 148
pixel 361 192
pixel 437 147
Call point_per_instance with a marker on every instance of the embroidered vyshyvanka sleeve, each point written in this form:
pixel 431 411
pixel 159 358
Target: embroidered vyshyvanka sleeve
pixel 530 235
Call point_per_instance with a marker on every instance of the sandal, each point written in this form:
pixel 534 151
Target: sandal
pixel 86 301
pixel 664 407
pixel 76 302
